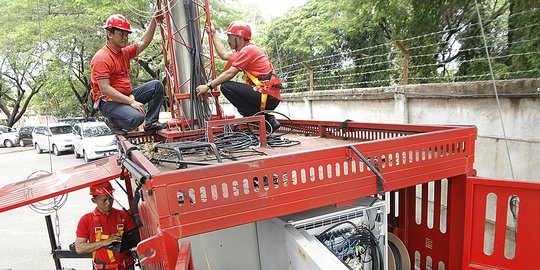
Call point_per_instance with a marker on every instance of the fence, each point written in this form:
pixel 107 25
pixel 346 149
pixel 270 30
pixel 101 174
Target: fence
pixel 456 55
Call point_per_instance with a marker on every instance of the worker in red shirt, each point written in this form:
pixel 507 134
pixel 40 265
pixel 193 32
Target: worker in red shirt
pixel 262 88
pixel 104 226
pixel 112 92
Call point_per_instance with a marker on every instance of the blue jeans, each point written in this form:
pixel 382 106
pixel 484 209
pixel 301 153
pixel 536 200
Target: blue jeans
pixel 123 115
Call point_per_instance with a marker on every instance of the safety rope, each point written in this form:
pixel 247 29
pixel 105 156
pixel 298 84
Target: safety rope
pixel 495 89
pixel 49 206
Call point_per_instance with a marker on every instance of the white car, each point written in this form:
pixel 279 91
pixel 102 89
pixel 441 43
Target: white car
pixel 8 136
pixel 93 140
pixel 57 137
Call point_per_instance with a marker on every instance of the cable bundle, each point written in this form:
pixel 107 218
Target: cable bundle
pixel 353 245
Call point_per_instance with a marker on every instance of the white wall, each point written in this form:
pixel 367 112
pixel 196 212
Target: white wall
pixel 450 103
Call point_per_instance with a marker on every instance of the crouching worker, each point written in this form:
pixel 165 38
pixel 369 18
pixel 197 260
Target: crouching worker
pixel 103 227
pixel 125 108
pixel 262 88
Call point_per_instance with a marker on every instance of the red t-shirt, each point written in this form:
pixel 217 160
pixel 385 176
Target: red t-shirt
pixel 111 64
pixel 251 59
pixel 109 225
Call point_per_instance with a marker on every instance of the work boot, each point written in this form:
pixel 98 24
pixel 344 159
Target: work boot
pixel 272 125
pixel 152 128
pixel 116 130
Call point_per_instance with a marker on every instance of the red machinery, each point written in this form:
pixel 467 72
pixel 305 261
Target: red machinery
pixel 332 165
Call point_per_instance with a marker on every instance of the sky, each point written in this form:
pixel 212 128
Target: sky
pixel 273 8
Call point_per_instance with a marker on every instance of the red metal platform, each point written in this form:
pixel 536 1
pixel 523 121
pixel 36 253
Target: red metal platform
pixel 439 208
pixel 57 183
pixel 297 179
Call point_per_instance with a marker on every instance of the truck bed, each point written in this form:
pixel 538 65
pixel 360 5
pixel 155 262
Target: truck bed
pixel 166 158
pixel 325 168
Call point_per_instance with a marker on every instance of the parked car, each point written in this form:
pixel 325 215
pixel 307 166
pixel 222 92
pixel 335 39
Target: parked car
pixel 57 137
pixel 25 136
pixel 75 120
pixel 8 136
pixel 93 140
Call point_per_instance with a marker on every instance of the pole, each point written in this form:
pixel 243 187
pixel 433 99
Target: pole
pixel 310 69
pixel 53 242
pixel 406 60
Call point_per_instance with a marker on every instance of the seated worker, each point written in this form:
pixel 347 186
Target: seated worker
pixel 102 227
pixel 112 92
pixel 262 88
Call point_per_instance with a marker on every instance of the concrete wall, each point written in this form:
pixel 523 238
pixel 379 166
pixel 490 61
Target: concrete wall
pixel 471 103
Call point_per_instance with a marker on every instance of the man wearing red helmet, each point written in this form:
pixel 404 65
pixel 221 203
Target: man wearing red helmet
pixel 112 92
pixel 102 227
pixel 262 88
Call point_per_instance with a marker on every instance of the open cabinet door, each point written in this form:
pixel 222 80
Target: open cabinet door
pixel 502 220
pixel 54 184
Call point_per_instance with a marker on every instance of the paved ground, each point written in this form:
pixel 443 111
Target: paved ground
pixel 24 240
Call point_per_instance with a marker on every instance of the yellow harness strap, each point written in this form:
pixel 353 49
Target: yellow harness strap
pixel 130 96
pixel 262 86
pixel 100 236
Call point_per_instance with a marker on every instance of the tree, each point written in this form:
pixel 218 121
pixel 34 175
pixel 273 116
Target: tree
pixel 21 64
pixel 523 19
pixel 70 32
pixel 19 84
pixel 336 34
pixel 366 42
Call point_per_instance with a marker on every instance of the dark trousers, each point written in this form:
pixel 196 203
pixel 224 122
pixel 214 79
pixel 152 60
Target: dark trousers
pixel 245 99
pixel 123 115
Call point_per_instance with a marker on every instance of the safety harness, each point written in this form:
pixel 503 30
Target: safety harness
pixel 262 85
pixel 98 229
pixel 97 97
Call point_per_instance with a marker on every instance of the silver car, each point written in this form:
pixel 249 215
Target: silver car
pixel 57 137
pixel 8 136
pixel 93 140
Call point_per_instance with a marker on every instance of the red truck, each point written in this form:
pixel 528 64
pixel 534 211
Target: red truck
pixel 193 178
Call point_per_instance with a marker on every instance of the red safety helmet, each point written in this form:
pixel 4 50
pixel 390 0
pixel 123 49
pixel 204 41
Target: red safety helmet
pixel 239 28
pixel 117 21
pixel 102 189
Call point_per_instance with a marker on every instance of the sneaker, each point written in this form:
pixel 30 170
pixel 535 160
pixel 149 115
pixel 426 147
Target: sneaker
pixel 272 125
pixel 152 128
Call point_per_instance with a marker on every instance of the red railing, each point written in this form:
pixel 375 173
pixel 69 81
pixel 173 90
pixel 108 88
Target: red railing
pixel 237 193
pixel 502 219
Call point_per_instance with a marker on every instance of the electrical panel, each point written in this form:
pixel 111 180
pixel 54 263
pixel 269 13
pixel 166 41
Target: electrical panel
pixel 350 237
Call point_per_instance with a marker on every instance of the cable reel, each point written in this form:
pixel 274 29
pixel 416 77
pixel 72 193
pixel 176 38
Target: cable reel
pixel 49 206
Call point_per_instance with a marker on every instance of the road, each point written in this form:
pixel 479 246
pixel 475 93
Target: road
pixel 24 238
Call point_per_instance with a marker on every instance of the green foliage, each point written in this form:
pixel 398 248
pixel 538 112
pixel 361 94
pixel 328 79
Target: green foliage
pixel 355 42
pixel 526 37
pixel 55 40
pixel 47 45
pixel 59 38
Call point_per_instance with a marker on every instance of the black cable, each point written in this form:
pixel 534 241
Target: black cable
pixel 337 225
pixel 197 72
pixel 397 255
pixel 367 243
pixel 271 112
pixel 379 252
